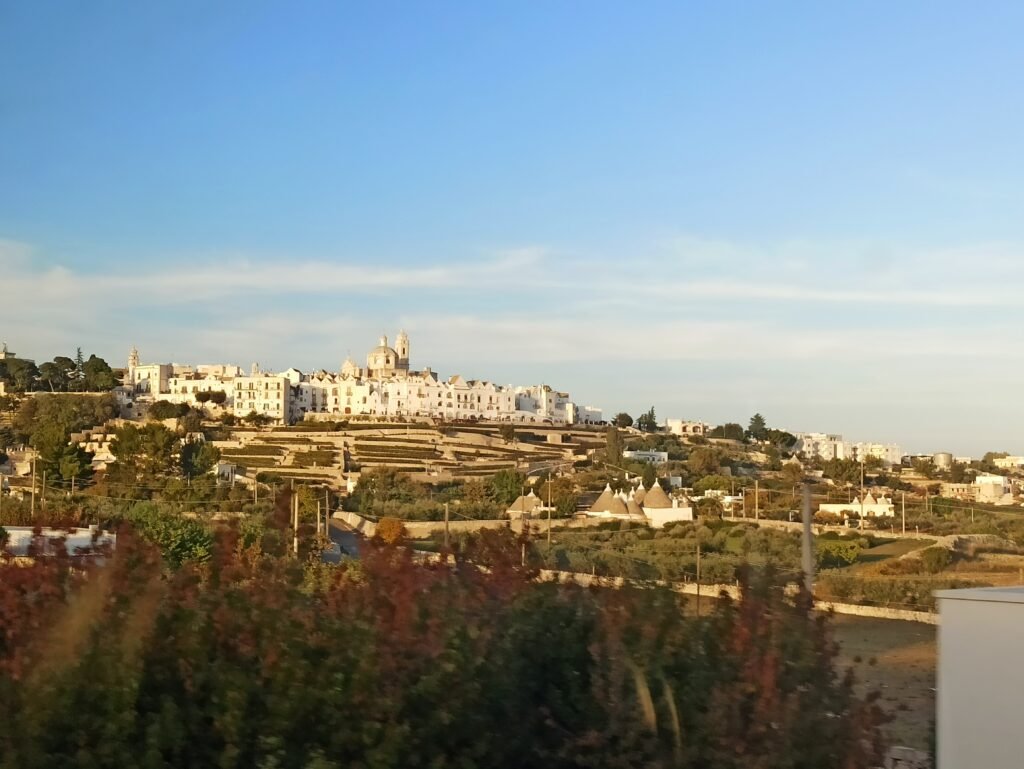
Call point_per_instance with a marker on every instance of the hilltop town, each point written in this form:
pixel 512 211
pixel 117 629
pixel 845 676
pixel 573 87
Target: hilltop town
pixel 387 386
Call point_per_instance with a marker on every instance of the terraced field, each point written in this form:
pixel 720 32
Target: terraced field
pixel 428 451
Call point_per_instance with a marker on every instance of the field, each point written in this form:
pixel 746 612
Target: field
pixel 903 671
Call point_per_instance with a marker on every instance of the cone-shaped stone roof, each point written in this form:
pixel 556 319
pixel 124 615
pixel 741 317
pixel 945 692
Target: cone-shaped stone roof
pixel 634 509
pixel 656 498
pixel 640 493
pixel 617 507
pixel 603 501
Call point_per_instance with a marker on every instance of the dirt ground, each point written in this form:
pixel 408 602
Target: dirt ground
pixel 897 659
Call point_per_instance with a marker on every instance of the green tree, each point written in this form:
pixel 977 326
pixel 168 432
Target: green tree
pixel 198 458
pixel 257 420
pixel 781 440
pixel 46 422
pixel 758 428
pixel 19 375
pixel 507 432
pixel 613 445
pixel 78 375
pixel 792 472
pixel 74 462
pixel 842 471
pixel 703 460
pixel 379 490
pixel 143 458
pixel 162 410
pixel 710 507
pixel 622 420
pixel 713 482
pixel 57 375
pixel 506 486
pixel 729 430
pixel 97 376
pixel 647 421
pixel 649 475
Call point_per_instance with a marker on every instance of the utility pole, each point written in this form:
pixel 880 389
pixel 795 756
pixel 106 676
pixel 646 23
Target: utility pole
pixel 862 493
pixel 698 576
pixel 446 526
pixel 757 500
pixel 295 520
pixel 319 520
pixel 807 549
pixel 42 499
pixel 73 485
pixel 32 508
pixel 549 513
pixel 903 510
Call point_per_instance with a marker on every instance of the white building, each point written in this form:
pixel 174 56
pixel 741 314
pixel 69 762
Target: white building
pixel 821 445
pixel 650 457
pixel 653 507
pixel 828 446
pixel 871 507
pixel 686 428
pixel 979 687
pixel 888 453
pixel 265 394
pixel 994 489
pixel 1008 463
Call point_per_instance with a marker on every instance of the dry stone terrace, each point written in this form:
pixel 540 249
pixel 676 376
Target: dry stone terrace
pixel 425 451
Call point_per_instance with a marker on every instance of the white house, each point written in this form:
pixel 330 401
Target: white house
pixel 650 457
pixel 686 428
pixel 995 489
pixel 871 507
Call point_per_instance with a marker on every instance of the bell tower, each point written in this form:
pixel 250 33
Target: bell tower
pixel 133 364
pixel 402 348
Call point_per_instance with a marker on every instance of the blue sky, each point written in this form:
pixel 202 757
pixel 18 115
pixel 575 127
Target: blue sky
pixel 810 210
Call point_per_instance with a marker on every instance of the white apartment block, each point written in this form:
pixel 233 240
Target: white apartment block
pixel 821 445
pixel 265 394
pixel 385 387
pixel 828 446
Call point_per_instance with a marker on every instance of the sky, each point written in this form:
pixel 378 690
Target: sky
pixel 809 210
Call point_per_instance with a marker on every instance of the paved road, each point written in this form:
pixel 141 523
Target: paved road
pixel 346 540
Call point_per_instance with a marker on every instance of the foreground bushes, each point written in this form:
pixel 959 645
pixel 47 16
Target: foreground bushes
pixel 259 660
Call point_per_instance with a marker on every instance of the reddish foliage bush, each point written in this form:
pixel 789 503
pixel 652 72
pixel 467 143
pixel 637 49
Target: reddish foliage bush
pixel 252 660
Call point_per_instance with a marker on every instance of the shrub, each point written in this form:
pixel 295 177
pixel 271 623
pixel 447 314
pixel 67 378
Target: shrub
pixel 166 410
pixel 936 559
pixel 835 554
pixel 390 531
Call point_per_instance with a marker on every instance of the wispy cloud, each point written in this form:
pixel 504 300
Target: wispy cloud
pixel 193 281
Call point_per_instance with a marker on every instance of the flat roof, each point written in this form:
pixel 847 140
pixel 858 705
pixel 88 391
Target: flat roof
pixel 990 594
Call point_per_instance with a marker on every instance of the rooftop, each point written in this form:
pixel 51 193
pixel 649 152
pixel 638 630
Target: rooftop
pixel 988 594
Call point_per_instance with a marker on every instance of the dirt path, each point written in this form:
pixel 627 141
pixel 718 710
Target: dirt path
pixel 903 670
